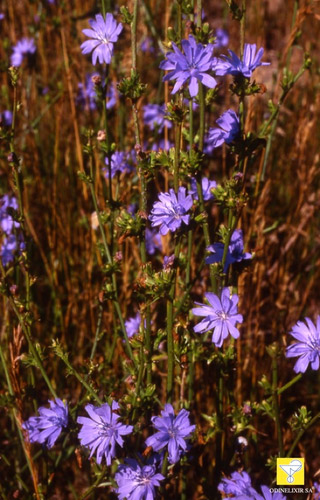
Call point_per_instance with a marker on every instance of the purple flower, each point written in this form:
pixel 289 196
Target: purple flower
pixel 86 97
pixel 47 428
pixel 220 316
pixel 104 34
pixel 146 45
pixel 168 261
pixel 229 130
pixel 10 245
pixel 102 431
pixel 235 251
pixel 86 93
pixel 2 16
pixel 239 485
pixel 133 325
pixel 267 495
pixel 24 47
pixel 192 65
pixel 222 38
pixel 154 117
pixel 173 430
pixel 153 241
pixel 206 184
pixel 307 347
pixel 161 145
pixel 7 223
pixel 171 211
pixel 234 66
pixel 119 164
pixel 137 482
pixel 316 493
pixel 6 118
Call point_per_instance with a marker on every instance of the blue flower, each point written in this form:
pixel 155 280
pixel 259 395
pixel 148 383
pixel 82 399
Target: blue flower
pixel 86 97
pixel 316 492
pixel 239 485
pixel 7 223
pixel 6 118
pixel 235 251
pixel 153 241
pixel 23 48
pixel 192 65
pixel 137 482
pixel 229 130
pixel 222 38
pixel 102 431
pixel 119 164
pixel 307 347
pixel 267 495
pixel 133 325
pixel 173 430
pixel 154 117
pixel 234 66
pixel 11 244
pixel 220 316
pixel 206 184
pixel 171 211
pixel 147 46
pixel 47 428
pixel 168 261
pixel 104 34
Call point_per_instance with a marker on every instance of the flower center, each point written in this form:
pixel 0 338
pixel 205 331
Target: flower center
pixel 222 315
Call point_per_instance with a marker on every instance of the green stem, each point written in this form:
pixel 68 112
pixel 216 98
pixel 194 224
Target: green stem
pixel 81 380
pixel 177 156
pixel 276 404
pixel 143 199
pixel 26 330
pixel 170 322
pixel 199 13
pixel 109 259
pixel 96 337
pixel 242 27
pixel 301 433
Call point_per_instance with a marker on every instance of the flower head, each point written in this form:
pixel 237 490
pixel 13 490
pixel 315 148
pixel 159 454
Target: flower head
pixel 228 131
pixel 137 482
pixel 220 316
pixel 7 204
pixel 23 48
pixel 316 492
pixel 102 431
pixel 239 485
pixel 11 244
pixel 235 251
pixel 133 325
pixel 206 184
pixel 6 118
pixel 308 345
pixel 222 38
pixel 104 33
pixel 47 428
pixel 154 117
pixel 234 66
pixel 153 241
pixel 173 431
pixel 119 164
pixel 190 65
pixel 267 495
pixel 171 210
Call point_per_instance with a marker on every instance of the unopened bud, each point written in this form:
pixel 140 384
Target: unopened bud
pixel 96 80
pixel 101 136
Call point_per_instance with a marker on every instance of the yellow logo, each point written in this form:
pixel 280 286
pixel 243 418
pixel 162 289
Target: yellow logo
pixel 290 471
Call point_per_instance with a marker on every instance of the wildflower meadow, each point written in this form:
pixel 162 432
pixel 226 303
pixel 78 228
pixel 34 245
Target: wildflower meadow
pixel 160 249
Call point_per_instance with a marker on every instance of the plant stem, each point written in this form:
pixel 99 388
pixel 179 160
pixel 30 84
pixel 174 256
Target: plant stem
pixel 143 199
pixel 109 259
pixel 300 434
pixel 276 404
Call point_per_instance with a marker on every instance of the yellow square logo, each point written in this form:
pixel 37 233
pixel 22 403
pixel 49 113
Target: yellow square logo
pixel 290 471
